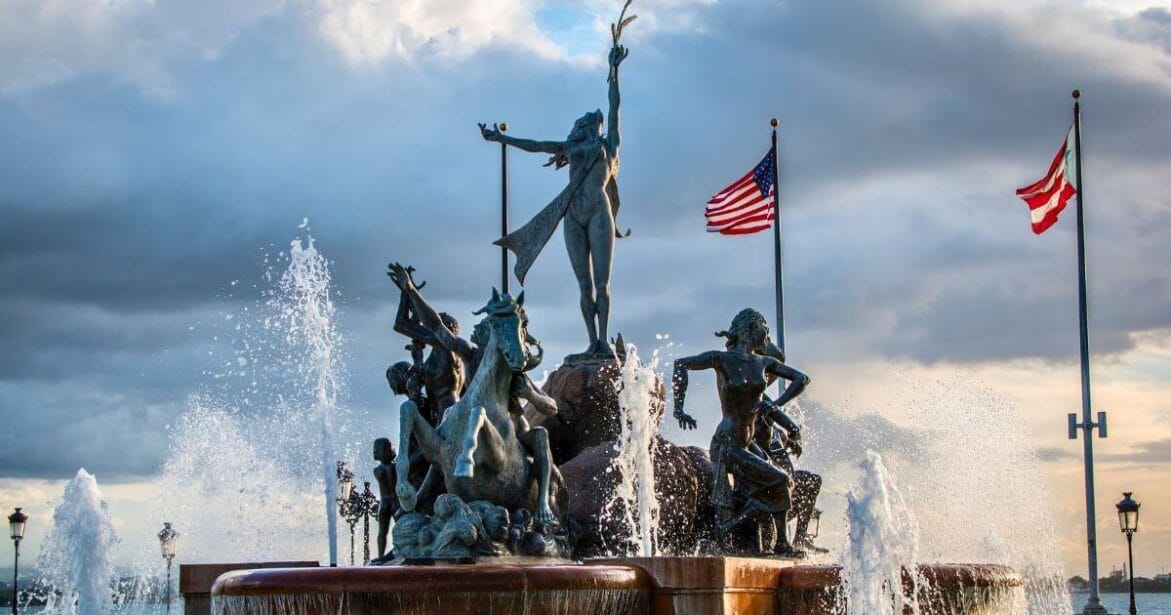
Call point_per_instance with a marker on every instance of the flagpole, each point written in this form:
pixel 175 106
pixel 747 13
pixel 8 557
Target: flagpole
pixel 503 210
pixel 777 244
pixel 1093 602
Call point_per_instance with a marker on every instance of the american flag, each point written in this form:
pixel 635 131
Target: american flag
pixel 747 206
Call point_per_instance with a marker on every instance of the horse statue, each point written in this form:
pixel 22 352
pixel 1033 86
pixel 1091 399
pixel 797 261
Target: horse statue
pixel 476 445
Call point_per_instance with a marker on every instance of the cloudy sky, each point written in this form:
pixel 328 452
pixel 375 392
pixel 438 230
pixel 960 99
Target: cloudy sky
pixel 154 154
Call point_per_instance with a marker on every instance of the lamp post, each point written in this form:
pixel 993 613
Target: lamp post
pixel 345 501
pixel 1128 523
pixel 16 522
pixel 368 508
pixel 168 543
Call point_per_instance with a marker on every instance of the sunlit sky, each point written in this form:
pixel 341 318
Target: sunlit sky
pixel 152 152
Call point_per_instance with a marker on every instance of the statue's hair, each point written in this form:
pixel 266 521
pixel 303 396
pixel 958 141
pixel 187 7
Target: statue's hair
pixel 741 323
pixel 397 375
pixel 450 322
pixel 480 332
pixel 388 445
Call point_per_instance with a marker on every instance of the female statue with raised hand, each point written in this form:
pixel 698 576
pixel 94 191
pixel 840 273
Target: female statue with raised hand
pixel 746 487
pixel 588 204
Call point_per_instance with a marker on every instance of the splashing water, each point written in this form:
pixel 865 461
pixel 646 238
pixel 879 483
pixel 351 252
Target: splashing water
pixel 882 542
pixel 76 555
pixel 634 501
pixel 237 482
pixel 310 313
pixel 966 466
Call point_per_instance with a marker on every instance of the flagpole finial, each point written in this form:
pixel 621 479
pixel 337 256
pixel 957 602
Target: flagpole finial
pixel 774 122
pixel 1077 94
pixel 503 127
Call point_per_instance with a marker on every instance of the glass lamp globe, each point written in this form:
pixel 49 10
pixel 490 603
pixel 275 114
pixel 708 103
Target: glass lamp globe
pixel 1128 513
pixel 16 523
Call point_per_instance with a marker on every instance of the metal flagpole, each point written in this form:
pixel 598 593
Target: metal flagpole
pixel 503 210
pixel 1093 602
pixel 777 245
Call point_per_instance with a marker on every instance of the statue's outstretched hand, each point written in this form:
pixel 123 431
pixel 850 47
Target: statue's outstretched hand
pixel 618 53
pixel 490 134
pixel 685 420
pixel 401 276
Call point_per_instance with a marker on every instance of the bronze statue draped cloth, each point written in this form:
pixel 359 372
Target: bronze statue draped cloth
pixel 588 205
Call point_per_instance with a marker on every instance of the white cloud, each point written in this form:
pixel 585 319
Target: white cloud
pixel 367 32
pixel 48 41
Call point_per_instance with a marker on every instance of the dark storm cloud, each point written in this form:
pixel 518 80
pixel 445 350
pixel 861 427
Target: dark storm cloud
pixel 128 213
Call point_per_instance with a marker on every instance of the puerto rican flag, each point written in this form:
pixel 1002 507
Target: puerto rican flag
pixel 1047 197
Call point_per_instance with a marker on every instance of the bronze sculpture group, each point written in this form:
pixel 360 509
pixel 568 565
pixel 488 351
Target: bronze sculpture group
pixel 472 478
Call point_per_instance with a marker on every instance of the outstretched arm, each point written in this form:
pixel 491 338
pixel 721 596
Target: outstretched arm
pixel 617 54
pixel 797 380
pixel 528 145
pixel 705 360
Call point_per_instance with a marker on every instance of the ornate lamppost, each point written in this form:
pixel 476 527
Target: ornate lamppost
pixel 169 543
pixel 1128 523
pixel 368 508
pixel 345 501
pixel 16 522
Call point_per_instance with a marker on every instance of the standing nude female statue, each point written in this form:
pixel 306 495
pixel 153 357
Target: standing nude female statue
pixel 588 205
pixel 746 488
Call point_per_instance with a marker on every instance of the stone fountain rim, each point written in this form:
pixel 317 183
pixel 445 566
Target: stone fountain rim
pixel 937 574
pixel 439 578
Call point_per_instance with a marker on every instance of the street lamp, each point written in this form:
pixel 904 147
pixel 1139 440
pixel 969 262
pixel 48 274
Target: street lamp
pixel 168 542
pixel 345 501
pixel 16 522
pixel 1128 523
pixel 369 508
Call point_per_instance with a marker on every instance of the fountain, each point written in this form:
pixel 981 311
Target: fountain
pixel 310 310
pixel 508 497
pixel 634 502
pixel 76 555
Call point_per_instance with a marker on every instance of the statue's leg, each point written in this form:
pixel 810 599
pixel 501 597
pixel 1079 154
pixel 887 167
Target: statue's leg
pixel 411 421
pixel 536 442
pixel 384 515
pixel 577 242
pixel 772 485
pixel 601 255
pixel 465 463
pixel 492 450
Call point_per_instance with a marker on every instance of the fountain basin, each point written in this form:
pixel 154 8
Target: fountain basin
pixel 971 589
pixel 425 590
pixel 639 585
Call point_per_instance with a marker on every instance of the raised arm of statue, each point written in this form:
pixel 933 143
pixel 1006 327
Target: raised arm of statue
pixel 404 324
pixel 617 54
pixel 704 360
pixel 528 145
pixel 429 319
